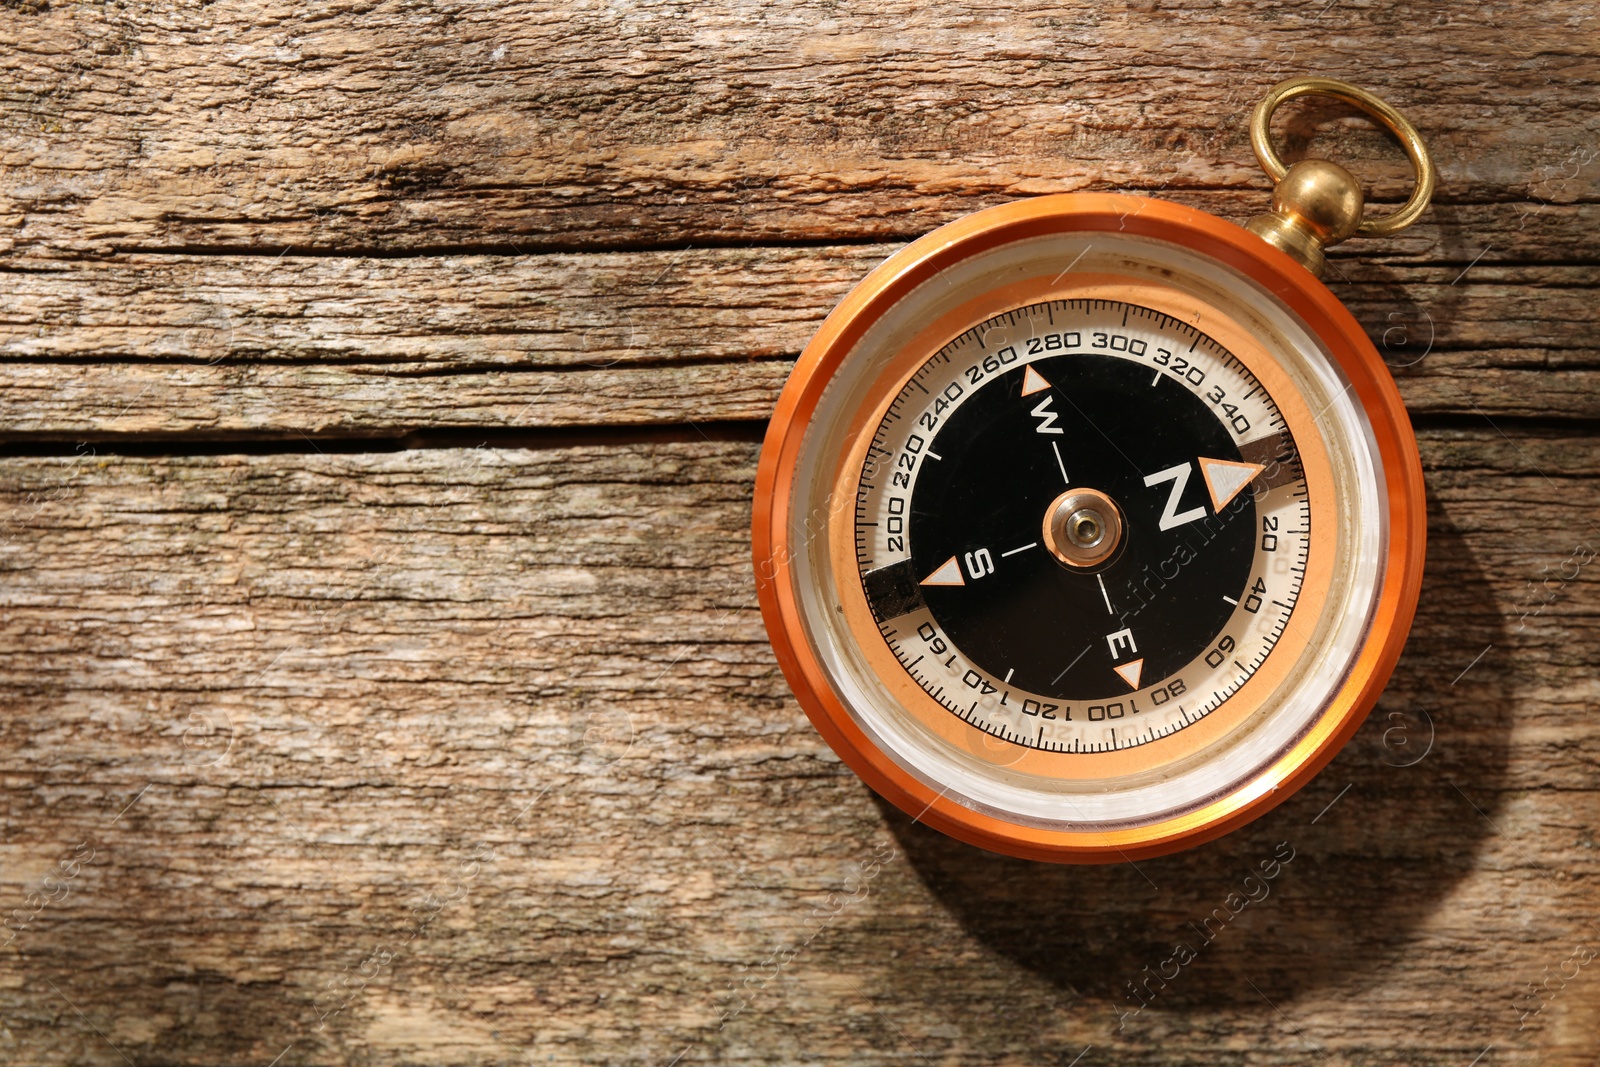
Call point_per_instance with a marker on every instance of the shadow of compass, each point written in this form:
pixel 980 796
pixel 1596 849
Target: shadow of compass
pixel 1378 840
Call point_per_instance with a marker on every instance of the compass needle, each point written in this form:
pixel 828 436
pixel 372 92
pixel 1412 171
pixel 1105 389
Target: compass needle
pixel 947 573
pixel 1226 479
pixel 1130 672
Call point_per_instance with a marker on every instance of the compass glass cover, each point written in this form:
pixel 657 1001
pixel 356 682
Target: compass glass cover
pixel 1086 549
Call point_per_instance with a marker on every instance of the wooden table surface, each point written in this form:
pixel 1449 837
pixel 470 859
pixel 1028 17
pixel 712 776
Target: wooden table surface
pixel 382 679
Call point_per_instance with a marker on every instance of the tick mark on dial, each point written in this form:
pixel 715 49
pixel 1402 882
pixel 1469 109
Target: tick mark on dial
pixel 1024 548
pixel 1060 466
pixel 1232 601
pixel 1106 596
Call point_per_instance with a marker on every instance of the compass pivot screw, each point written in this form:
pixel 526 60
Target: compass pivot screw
pixel 1083 528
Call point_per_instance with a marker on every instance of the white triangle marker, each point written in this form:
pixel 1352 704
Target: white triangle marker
pixel 1033 382
pixel 1130 672
pixel 1226 479
pixel 948 574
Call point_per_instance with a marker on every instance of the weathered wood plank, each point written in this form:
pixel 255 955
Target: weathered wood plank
pixel 286 698
pixel 434 314
pixel 474 312
pixel 274 401
pixel 409 125
pixel 278 348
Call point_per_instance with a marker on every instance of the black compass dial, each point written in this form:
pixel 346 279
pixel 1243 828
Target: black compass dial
pixel 1158 598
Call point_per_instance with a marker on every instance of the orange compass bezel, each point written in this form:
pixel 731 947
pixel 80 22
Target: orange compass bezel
pixel 1318 311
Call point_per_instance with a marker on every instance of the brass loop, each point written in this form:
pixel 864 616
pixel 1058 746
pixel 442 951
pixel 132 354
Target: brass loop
pixel 1378 109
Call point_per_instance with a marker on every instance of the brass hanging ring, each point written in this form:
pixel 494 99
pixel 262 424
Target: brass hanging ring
pixel 1385 115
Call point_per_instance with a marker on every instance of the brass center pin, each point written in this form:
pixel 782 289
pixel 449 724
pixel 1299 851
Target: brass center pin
pixel 1083 528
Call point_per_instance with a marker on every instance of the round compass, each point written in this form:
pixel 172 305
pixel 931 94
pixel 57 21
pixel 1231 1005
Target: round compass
pixel 1091 526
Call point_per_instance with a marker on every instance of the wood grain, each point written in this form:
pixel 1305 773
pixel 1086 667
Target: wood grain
pixel 327 738
pixel 252 347
pixel 411 125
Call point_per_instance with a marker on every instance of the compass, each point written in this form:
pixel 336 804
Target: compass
pixel 1089 527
